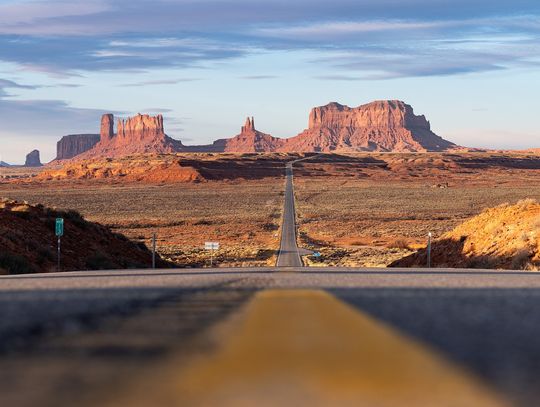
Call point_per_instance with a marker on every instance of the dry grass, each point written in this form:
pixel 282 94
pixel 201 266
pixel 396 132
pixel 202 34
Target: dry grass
pixel 363 209
pixel 351 205
pixel 243 217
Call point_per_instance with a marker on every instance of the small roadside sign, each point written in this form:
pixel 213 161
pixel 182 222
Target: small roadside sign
pixel 59 227
pixel 211 245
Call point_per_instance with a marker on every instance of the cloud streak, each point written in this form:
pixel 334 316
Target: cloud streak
pixel 159 82
pixel 66 38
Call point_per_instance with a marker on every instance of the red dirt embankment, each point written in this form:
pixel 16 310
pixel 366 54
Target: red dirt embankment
pixel 28 242
pixel 170 168
pixel 504 237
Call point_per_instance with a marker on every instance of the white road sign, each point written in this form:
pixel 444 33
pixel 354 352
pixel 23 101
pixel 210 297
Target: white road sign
pixel 211 245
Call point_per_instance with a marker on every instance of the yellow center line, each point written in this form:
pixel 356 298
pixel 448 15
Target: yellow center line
pixel 306 347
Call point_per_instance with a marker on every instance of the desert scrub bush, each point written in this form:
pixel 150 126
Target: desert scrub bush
pixel 520 260
pixel 270 226
pixel 481 262
pixel 15 264
pixel 46 253
pixel 75 217
pixel 524 203
pixel 99 261
pixel 399 244
pixel 203 222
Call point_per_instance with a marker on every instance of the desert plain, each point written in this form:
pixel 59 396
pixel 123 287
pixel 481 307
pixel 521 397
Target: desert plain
pixel 355 209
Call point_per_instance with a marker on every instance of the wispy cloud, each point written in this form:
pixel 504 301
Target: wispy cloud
pixel 160 82
pixel 67 38
pixel 4 83
pixel 259 77
pixel 339 78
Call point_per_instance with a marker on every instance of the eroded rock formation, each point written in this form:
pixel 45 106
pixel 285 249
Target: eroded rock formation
pixel 135 135
pixel 388 125
pixel 75 144
pixel 32 159
pixel 249 140
pixel 107 128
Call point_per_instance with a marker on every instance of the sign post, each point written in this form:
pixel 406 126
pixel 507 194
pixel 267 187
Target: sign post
pixel 429 250
pixel 59 230
pixel 211 246
pixel 154 251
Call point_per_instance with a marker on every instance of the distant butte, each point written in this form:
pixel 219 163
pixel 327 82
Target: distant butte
pixel 387 125
pixel 135 135
pixel 32 159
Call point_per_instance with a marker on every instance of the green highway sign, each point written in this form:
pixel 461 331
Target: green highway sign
pixel 59 227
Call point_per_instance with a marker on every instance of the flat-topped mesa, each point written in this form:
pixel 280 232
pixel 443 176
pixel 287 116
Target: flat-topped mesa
pixel 74 144
pixel 385 125
pixel 382 114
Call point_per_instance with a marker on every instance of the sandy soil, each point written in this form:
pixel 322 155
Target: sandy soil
pixel 243 216
pixel 372 209
pixel 366 209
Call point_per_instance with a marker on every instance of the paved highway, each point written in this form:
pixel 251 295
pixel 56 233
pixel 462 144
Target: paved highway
pixel 289 253
pixel 261 337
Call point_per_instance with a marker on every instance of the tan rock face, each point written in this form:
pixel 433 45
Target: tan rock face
pixel 387 114
pixel 75 144
pixel 389 125
pixel 503 237
pixel 135 135
pixel 141 127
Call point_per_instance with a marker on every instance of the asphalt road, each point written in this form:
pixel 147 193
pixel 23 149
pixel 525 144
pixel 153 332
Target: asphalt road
pixel 82 337
pixel 289 253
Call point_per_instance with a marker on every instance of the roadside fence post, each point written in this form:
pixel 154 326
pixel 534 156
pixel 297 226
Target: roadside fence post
pixel 429 250
pixel 154 251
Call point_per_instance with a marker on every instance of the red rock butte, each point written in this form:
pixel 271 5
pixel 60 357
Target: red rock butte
pixel 135 135
pixel 388 125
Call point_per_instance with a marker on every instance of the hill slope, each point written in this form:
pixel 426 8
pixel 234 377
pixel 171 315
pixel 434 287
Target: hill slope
pixel 28 242
pixel 507 237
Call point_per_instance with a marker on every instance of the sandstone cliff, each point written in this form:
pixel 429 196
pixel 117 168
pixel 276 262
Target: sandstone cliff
pixel 378 126
pixel 389 125
pixel 32 159
pixel 135 135
pixel 75 144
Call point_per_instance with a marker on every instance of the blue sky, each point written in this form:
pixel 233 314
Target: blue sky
pixel 471 66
